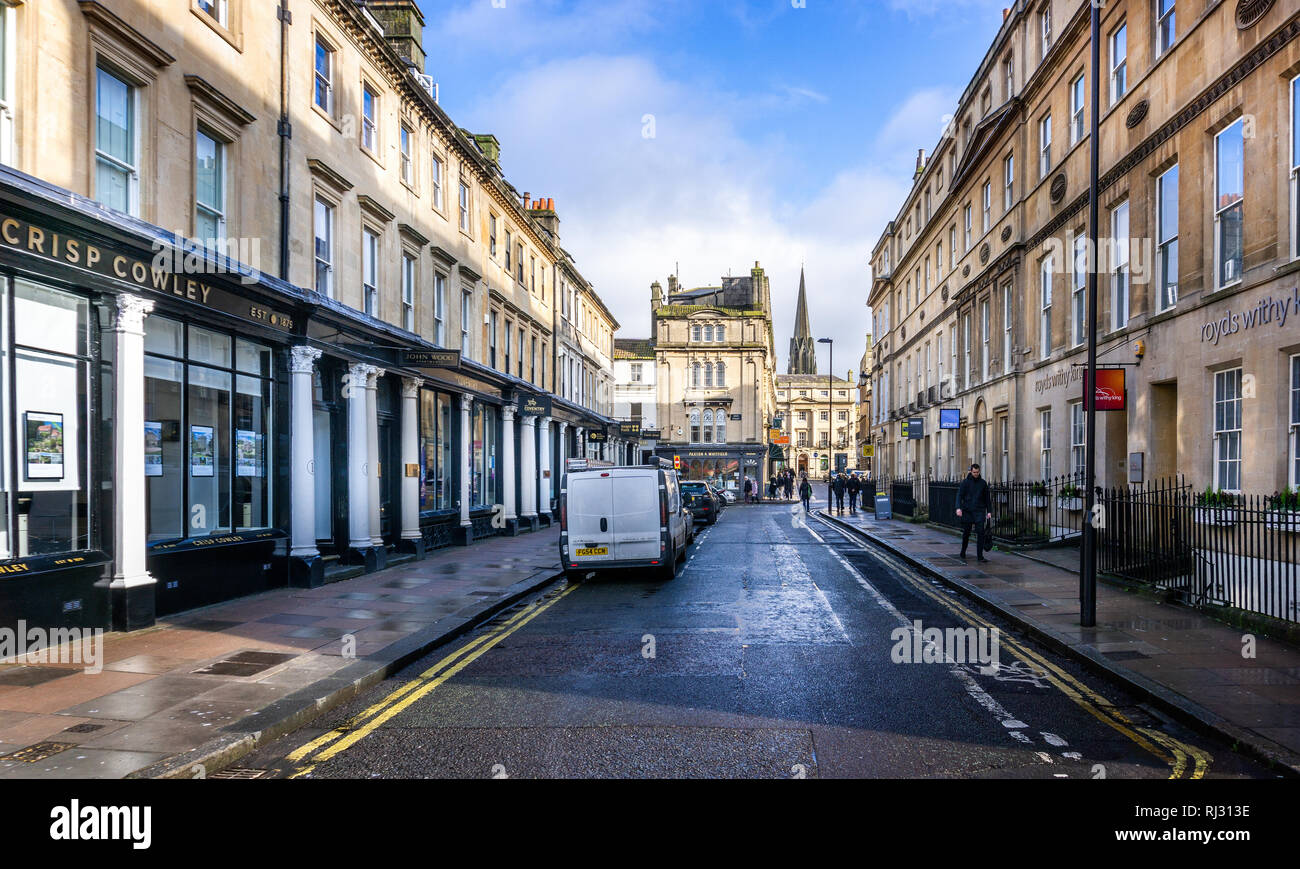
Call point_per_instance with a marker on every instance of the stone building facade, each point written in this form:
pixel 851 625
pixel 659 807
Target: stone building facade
pixel 275 314
pixel 978 287
pixel 715 360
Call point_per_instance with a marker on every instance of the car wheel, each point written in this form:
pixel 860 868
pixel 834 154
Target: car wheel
pixel 713 520
pixel 669 569
pixel 681 556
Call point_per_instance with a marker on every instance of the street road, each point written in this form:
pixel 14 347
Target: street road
pixel 770 655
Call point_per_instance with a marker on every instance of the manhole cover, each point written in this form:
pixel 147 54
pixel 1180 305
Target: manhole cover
pixel 39 751
pixel 239 772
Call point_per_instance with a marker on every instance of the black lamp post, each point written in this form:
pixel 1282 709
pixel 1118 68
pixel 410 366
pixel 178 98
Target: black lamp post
pixel 830 461
pixel 1088 552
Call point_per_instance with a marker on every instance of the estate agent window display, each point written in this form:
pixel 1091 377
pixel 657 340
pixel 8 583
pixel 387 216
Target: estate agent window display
pixel 44 407
pixel 207 431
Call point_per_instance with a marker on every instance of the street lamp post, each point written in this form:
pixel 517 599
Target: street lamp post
pixel 830 391
pixel 1088 552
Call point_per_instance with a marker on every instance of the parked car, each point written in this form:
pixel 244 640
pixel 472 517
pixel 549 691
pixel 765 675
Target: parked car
pixel 728 496
pixel 704 503
pixel 622 518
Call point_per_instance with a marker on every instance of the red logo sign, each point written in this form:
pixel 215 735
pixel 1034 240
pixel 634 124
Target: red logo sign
pixel 1111 393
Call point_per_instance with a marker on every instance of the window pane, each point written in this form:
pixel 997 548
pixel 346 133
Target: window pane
pixel 114 118
pixel 208 173
pixel 252 358
pixel 164 336
pixel 210 347
pixel 252 452
pixel 1230 162
pixel 208 448
pixel 164 450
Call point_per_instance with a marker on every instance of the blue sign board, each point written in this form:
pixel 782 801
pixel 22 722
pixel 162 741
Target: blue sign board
pixel 949 418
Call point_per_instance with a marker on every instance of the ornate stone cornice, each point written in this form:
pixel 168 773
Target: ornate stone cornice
pixel 411 387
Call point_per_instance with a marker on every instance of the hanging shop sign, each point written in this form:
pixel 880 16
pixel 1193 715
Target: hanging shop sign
pixel 1111 393
pixel 596 436
pixel 949 418
pixel 430 359
pixel 173 273
pixel 535 405
pixel 914 428
pixel 651 434
pixel 629 430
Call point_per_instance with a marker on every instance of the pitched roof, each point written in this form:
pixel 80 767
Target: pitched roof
pixel 634 348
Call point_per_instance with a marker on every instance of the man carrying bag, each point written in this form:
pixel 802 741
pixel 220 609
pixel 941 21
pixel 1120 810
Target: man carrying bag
pixel 974 508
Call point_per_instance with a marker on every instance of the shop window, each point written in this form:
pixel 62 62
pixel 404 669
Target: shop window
pixel 484 426
pixel 438 422
pixel 44 496
pixel 207 431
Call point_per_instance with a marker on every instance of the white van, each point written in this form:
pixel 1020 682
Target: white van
pixel 617 518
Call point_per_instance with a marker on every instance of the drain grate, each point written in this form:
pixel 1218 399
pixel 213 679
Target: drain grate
pixel 240 772
pixel 39 751
pixel 246 663
pixel 84 727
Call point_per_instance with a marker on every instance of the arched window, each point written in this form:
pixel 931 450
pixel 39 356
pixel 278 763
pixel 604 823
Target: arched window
pixel 695 332
pixel 708 333
pixel 720 333
pixel 722 427
pixel 695 426
pixel 708 374
pixel 695 375
pixel 720 374
pixel 708 426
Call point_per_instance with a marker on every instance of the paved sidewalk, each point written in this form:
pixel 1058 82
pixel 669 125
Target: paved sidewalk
pixel 209 685
pixel 1189 662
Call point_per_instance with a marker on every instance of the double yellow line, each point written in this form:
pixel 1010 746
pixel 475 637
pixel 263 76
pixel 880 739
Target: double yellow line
pixel 357 728
pixel 1170 751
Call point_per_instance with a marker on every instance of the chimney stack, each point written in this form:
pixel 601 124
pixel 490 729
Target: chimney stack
pixel 403 25
pixel 527 199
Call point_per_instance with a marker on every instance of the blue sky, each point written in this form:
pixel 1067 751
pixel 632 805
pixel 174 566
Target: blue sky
pixel 780 133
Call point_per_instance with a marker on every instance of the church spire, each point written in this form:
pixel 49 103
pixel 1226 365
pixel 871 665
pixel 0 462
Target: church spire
pixel 803 349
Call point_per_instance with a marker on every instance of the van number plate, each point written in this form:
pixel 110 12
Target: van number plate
pixel 595 550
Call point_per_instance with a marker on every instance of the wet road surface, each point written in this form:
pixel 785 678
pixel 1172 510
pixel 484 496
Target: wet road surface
pixel 772 654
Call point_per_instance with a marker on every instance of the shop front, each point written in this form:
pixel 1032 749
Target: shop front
pixel 725 468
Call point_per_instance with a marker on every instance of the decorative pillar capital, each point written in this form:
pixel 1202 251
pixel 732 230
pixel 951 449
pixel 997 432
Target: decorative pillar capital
pixel 508 412
pixel 372 377
pixel 410 387
pixel 130 313
pixel 302 359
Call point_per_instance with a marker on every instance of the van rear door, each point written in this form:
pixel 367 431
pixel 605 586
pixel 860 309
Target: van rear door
pixel 591 517
pixel 636 514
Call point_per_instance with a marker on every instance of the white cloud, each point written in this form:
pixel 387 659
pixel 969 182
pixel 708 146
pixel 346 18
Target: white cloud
pixel 700 193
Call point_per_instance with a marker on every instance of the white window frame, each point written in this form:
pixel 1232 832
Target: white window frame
pixel 219 11
pixel 1167 290
pixel 132 167
pixel 8 81
pixel 1008 306
pixel 407 167
pixel 466 318
pixel 322 207
pixel 1227 430
pixel 986 324
pixel 370 271
pixel 1009 181
pixel 325 79
pixel 215 211
pixel 463 206
pixel 1077 103
pixel 1121 289
pixel 967 220
pixel 1295 167
pixel 1221 213
pixel 1079 291
pixel 1294 469
pixel 952 248
pixel 1045 443
pixel 1045 272
pixel 408 292
pixel 1166 36
pixel 1078 436
pixel 440 312
pixel 987 202
pixel 1045 32
pixel 966 350
pixel 369 121
pixel 1118 62
pixel 1045 145
pixel 436 172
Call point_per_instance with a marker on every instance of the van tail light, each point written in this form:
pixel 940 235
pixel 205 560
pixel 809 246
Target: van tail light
pixel 564 512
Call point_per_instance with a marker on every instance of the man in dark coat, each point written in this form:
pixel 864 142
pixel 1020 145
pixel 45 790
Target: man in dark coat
pixel 974 507
pixel 855 489
pixel 805 493
pixel 839 486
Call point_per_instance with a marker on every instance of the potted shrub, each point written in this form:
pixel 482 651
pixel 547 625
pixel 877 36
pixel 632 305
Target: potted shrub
pixel 1215 507
pixel 1284 511
pixel 1070 497
pixel 1038 495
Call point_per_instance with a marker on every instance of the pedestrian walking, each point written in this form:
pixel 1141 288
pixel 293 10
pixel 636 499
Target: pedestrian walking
pixel 771 488
pixel 974 508
pixel 805 493
pixel 839 486
pixel 749 490
pixel 855 489
pixel 789 485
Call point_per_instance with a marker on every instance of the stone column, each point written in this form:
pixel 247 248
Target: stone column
pixel 372 460
pixel 544 471
pixel 528 471
pixel 132 587
pixel 579 442
pixel 412 540
pixel 465 533
pixel 305 567
pixel 508 470
pixel 356 392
